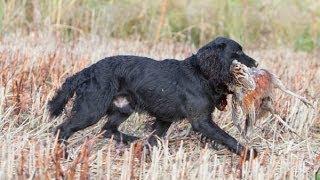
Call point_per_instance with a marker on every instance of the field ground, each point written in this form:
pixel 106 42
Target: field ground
pixel 32 67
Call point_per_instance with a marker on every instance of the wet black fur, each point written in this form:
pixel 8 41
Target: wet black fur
pixel 169 90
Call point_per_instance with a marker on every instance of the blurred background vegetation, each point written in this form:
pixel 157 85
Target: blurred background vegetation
pixel 257 23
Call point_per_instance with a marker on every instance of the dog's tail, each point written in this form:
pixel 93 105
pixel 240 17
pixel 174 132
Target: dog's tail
pixel 60 99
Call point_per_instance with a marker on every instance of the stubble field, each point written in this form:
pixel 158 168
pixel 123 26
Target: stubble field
pixel 32 67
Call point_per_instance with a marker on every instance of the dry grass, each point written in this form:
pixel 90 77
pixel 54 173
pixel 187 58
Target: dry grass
pixel 32 67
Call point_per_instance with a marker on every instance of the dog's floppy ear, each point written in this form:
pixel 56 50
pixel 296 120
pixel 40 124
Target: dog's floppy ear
pixel 210 51
pixel 211 62
pixel 221 42
pixel 222 45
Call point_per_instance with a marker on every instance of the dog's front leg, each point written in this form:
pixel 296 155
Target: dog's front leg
pixel 211 130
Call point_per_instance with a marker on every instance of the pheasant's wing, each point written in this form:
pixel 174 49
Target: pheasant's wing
pixel 247 82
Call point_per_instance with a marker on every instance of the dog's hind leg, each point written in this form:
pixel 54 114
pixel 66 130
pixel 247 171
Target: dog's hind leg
pixel 84 114
pixel 80 119
pixel 111 127
pixel 159 128
pixel 91 104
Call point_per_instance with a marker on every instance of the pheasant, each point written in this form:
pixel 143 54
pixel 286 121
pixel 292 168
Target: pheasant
pixel 253 94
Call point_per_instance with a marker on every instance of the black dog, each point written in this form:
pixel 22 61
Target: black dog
pixel 169 90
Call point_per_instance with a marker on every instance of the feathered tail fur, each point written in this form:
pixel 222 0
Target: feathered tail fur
pixel 60 99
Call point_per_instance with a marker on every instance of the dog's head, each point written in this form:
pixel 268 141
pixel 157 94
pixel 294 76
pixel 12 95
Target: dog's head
pixel 215 58
pixel 231 50
pixel 225 50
